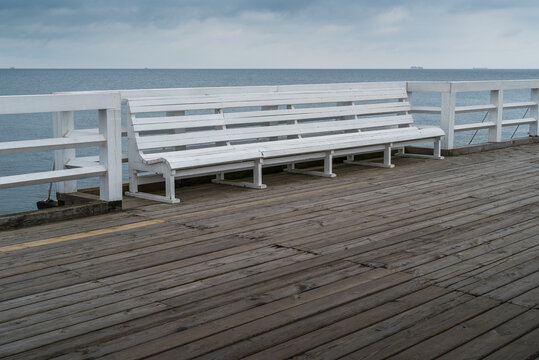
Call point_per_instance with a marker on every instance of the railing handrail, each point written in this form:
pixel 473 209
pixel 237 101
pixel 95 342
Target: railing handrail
pixel 27 104
pixel 465 86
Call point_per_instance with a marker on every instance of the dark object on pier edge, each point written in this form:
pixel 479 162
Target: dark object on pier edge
pixel 46 204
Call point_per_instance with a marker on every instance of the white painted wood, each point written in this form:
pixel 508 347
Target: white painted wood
pixel 475 108
pixel 447 118
pixel 534 127
pixel 141 93
pixel 13 147
pixel 385 164
pixel 426 109
pixel 25 104
pixel 244 133
pixel 63 125
pixel 516 105
pixel 278 97
pixel 514 122
pixel 78 162
pixel 170 187
pixel 437 151
pixel 51 176
pixel 496 116
pixel 110 154
pixel 328 167
pixel 145 106
pixel 474 126
pixel 428 86
pixel 462 86
pixel 95 159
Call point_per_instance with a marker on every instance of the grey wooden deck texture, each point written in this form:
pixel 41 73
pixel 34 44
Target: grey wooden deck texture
pixel 432 259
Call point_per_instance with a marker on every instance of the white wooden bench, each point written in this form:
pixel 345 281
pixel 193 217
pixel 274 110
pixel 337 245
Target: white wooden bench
pixel 188 136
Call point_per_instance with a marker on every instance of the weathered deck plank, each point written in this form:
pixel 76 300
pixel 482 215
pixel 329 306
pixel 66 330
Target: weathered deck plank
pixel 432 258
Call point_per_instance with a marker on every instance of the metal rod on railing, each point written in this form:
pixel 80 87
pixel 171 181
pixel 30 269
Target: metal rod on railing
pixel 476 130
pixel 523 116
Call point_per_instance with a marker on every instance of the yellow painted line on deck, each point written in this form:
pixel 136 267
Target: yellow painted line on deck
pixel 112 229
pixel 77 236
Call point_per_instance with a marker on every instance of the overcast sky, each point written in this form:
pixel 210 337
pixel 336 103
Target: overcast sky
pixel 269 33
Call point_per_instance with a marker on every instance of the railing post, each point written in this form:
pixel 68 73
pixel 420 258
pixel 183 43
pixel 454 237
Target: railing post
pixel 110 154
pixel 534 128
pixel 447 121
pixel 496 116
pixel 63 123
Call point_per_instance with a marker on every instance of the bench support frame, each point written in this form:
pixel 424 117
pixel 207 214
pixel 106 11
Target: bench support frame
pixel 437 152
pixel 386 164
pixel 170 188
pixel 257 178
pixel 328 168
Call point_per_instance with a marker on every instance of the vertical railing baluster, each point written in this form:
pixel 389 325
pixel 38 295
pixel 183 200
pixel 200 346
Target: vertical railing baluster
pixel 496 116
pixel 447 121
pixel 63 123
pixel 534 128
pixel 110 154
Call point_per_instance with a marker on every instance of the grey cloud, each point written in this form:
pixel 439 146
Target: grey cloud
pixel 225 32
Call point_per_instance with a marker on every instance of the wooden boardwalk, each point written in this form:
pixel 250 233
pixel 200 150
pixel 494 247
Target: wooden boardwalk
pixel 432 259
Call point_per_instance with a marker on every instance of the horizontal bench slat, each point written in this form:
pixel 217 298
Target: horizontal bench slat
pixel 296 146
pixel 249 151
pixel 268 89
pixel 13 147
pixel 363 139
pixel 265 116
pixel 134 109
pixel 178 124
pixel 174 119
pixel 279 96
pixel 222 158
pixel 51 176
pixel 315 113
pixel 245 133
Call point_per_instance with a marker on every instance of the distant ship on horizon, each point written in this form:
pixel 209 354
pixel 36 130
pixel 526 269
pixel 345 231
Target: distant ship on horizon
pixel 416 67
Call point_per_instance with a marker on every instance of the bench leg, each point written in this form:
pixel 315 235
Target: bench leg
pixel 169 189
pixel 257 178
pixel 328 168
pixel 133 180
pixel 386 164
pixel 436 152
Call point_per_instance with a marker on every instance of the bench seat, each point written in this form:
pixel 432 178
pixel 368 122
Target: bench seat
pixel 181 136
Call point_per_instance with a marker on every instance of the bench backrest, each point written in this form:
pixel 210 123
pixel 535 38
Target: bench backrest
pixel 183 122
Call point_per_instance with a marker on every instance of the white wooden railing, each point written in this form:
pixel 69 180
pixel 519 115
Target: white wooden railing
pixel 66 139
pixel 493 110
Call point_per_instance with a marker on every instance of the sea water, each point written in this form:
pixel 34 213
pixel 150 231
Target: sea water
pixel 44 81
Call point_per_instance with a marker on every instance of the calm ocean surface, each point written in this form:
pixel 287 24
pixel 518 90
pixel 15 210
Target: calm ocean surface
pixel 40 81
